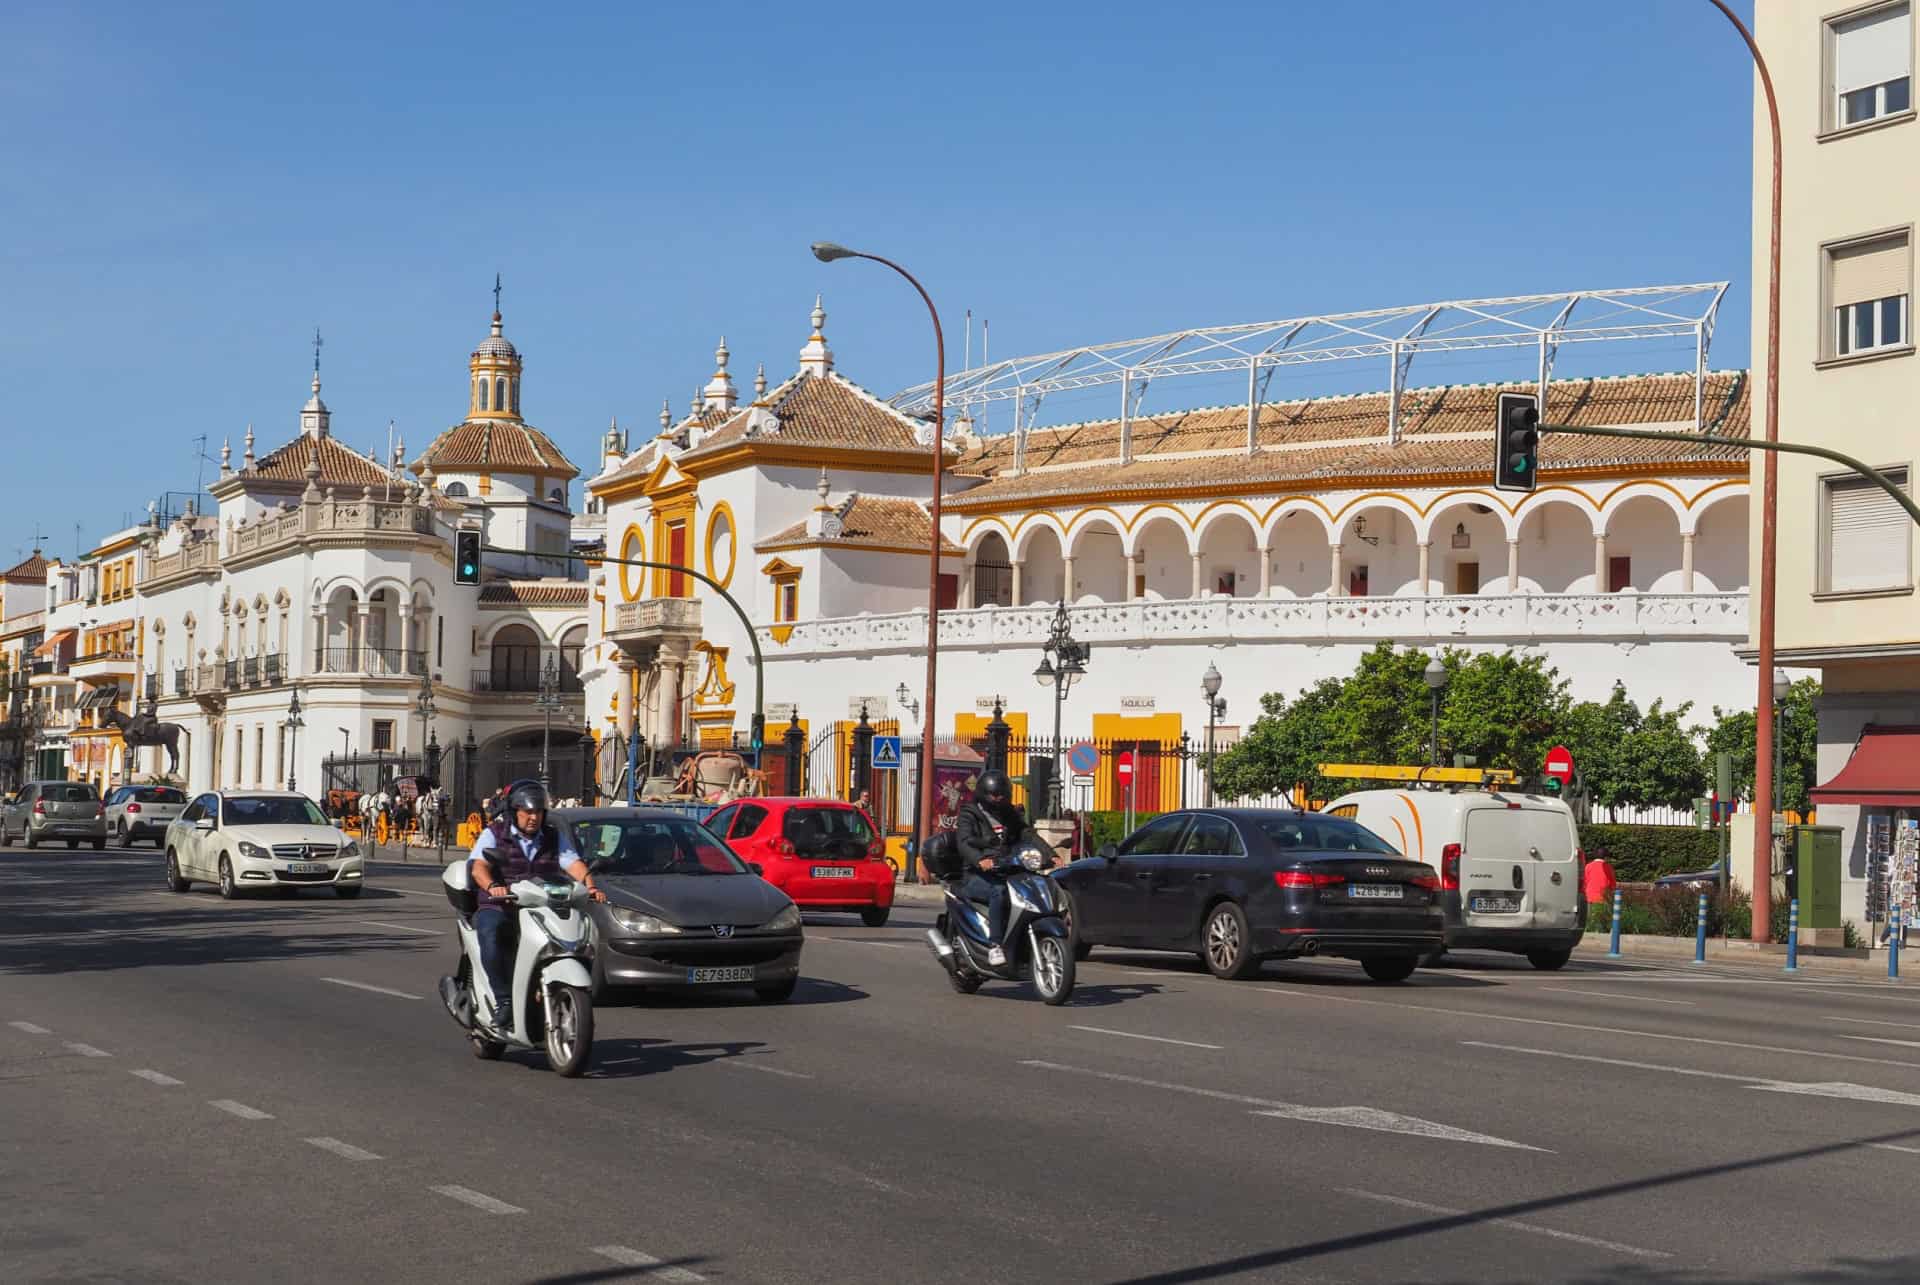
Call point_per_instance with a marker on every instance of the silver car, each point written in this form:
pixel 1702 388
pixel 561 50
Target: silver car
pixel 49 810
pixel 143 812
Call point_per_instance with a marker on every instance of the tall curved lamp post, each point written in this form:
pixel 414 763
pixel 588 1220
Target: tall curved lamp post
pixel 548 701
pixel 1216 710
pixel 295 721
pixel 828 252
pixel 1063 659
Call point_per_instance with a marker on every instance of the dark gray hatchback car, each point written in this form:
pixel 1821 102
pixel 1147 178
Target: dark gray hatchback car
pixel 682 911
pixel 48 811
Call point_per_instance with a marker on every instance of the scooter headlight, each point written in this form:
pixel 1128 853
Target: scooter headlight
pixel 1031 859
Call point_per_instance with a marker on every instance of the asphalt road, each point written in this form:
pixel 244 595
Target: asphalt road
pixel 196 1090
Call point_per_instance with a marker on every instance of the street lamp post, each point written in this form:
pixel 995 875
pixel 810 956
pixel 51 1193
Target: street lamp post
pixel 1063 659
pixel 828 252
pixel 294 723
pixel 430 743
pixel 548 701
pixel 1781 686
pixel 1216 709
pixel 1436 676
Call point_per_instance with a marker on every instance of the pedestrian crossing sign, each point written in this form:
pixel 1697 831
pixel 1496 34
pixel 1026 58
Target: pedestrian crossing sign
pixel 886 753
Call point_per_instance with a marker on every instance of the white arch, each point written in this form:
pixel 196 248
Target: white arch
pixel 1637 491
pixel 1430 521
pixel 1287 507
pixel 1690 522
pixel 1145 521
pixel 1225 513
pixel 1392 503
pixel 402 591
pixel 992 526
pixel 325 591
pixel 492 631
pixel 1095 521
pixel 1039 522
pixel 1579 501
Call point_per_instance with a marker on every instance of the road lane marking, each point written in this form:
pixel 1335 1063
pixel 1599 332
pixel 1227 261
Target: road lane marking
pixel 362 986
pixel 1348 1117
pixel 855 941
pixel 763 1068
pixel 1760 1083
pixel 634 1258
pixel 1644 999
pixel 375 923
pixel 154 1077
pixel 1888 1146
pixel 87 1050
pixel 1878 1039
pixel 479 1200
pixel 1511 1224
pixel 240 1109
pixel 1157 1039
pixel 346 1151
pixel 1298 993
pixel 29 1028
pixel 1862 1021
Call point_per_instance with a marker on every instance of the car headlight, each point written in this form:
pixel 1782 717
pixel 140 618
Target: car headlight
pixel 254 850
pixel 641 925
pixel 349 850
pixel 786 921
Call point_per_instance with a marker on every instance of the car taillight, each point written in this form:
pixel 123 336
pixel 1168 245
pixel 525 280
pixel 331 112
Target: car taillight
pixel 132 808
pixel 784 847
pixel 876 851
pixel 1306 879
pixel 1450 867
pixel 1430 882
pixel 100 808
pixel 39 807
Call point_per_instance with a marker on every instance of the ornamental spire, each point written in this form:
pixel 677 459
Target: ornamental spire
pixel 816 358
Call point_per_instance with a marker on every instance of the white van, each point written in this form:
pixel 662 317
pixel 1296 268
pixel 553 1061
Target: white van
pixel 1509 863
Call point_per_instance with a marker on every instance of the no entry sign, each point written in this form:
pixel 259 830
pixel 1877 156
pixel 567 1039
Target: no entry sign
pixel 1560 764
pixel 1123 767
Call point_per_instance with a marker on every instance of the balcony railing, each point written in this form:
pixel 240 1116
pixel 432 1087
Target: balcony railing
pixel 1509 617
pixel 518 680
pixel 374 662
pixel 238 674
pixel 656 616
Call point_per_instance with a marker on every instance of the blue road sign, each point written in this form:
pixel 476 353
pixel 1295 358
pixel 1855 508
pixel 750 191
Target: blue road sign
pixel 1083 758
pixel 886 753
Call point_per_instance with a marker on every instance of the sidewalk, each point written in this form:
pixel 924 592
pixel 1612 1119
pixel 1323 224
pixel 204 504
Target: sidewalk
pixel 1858 964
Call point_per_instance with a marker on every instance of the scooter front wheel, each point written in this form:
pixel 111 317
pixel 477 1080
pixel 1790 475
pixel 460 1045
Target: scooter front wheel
pixel 1053 968
pixel 569 1029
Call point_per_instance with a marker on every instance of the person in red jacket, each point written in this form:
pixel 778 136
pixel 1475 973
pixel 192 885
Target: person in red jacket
pixel 1597 880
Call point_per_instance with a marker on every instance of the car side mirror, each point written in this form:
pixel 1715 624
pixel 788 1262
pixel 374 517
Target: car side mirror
pixel 204 823
pixel 1108 852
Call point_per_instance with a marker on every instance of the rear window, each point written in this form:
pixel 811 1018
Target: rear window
pixel 1318 832
pixel 1510 832
pixel 77 792
pixel 806 828
pixel 156 794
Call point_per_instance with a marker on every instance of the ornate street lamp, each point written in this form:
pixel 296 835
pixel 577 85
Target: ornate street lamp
pixel 1436 676
pixel 1781 686
pixel 294 723
pixel 1216 710
pixel 1063 659
pixel 423 705
pixel 904 698
pixel 548 702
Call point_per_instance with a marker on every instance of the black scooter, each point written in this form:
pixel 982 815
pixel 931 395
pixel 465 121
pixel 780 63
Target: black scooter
pixel 1037 944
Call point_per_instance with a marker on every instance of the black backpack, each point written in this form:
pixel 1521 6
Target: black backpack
pixel 941 856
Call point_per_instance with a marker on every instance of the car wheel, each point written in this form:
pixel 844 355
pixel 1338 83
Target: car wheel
pixel 120 834
pixel 1548 960
pixel 32 842
pixel 228 889
pixel 344 891
pixel 875 916
pixel 777 992
pixel 6 840
pixel 1228 953
pixel 174 882
pixel 1390 968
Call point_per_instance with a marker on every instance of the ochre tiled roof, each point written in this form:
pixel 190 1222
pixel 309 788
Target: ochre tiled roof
pixel 1080 458
pixel 32 571
pixel 534 593
pixel 869 521
pixel 340 466
pixel 815 410
pixel 494 444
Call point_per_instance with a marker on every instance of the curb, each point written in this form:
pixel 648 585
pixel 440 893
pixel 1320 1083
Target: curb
pixel 1747 956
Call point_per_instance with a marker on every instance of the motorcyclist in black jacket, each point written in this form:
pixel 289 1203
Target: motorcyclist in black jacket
pixel 984 831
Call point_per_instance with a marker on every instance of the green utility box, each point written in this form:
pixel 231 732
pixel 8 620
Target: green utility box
pixel 1816 862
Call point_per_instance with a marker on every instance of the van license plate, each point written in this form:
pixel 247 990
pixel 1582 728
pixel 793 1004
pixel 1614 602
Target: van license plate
pixel 833 872
pixel 1374 892
pixel 306 867
pixel 1494 905
pixel 698 975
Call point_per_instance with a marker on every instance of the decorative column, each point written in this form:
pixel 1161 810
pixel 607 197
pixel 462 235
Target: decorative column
pixel 1019 574
pixel 1600 563
pixel 1513 565
pixel 966 584
pixel 1426 552
pixel 623 698
pixel 1132 577
pixel 1197 584
pixel 1686 562
pixel 1066 579
pixel 1334 588
pixel 1266 569
pixel 359 664
pixel 406 638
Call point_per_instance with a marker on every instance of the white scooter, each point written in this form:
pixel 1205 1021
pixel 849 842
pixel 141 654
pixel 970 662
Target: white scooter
pixel 552 978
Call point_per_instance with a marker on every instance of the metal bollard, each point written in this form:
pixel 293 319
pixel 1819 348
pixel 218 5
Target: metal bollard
pixel 1893 947
pixel 1700 933
pixel 1793 935
pixel 1613 950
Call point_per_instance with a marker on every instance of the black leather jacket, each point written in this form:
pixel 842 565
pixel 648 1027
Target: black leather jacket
pixel 980 831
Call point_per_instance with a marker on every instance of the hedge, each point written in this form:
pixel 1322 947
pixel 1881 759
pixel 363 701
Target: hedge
pixel 1642 853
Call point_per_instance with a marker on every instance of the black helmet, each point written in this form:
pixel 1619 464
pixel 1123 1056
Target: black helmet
pixel 992 787
pixel 530 796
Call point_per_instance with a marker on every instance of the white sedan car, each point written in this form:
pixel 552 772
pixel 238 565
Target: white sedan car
pixel 241 839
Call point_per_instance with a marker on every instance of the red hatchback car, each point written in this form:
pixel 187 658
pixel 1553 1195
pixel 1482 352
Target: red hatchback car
pixel 824 854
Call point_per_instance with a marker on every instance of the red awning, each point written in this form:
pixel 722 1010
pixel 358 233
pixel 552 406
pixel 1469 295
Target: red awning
pixel 1884 771
pixel 53 642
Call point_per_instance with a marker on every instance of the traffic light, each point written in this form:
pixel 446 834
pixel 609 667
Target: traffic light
pixel 1516 442
pixel 759 732
pixel 466 557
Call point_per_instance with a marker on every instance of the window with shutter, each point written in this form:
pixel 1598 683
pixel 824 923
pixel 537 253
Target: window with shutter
pixel 1868 536
pixel 1871 73
pixel 1868 285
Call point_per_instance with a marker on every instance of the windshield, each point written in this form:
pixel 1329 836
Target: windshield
pixel 654 846
pixel 271 810
pixel 1313 832
pixel 156 794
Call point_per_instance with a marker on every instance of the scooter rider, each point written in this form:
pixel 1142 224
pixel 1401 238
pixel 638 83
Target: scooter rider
pixel 983 830
pixel 521 844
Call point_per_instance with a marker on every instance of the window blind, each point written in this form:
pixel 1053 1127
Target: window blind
pixel 1872 49
pixel 1868 535
pixel 1873 270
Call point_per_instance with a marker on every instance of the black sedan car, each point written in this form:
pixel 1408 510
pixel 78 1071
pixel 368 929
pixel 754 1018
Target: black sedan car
pixel 1242 885
pixel 682 911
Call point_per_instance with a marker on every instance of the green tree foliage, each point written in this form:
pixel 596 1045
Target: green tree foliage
pixel 1503 709
pixel 1733 732
pixel 1280 749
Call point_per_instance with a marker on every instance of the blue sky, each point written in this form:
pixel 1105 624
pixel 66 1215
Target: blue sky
pixel 188 190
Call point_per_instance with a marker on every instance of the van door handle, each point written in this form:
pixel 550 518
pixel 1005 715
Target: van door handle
pixel 1143 874
pixel 1202 877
